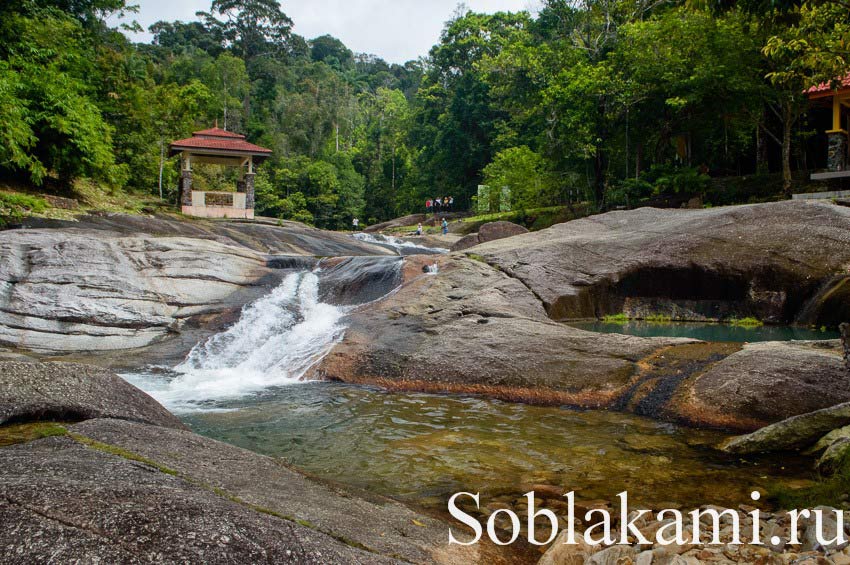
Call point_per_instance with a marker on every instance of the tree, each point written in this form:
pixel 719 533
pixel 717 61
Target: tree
pixel 525 173
pixel 228 78
pixel 252 28
pixel 55 126
pixel 812 50
pixel 331 51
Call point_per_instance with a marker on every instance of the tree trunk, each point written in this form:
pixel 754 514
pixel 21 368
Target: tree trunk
pixel 787 125
pixel 599 166
pixel 761 151
pixel 161 164
pixel 638 160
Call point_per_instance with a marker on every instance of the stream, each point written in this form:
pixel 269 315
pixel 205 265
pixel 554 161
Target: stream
pixel 244 386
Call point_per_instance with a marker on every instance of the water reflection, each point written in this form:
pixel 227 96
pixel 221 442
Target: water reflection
pixel 424 447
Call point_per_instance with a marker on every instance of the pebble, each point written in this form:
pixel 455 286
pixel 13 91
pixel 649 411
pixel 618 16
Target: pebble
pixel 772 526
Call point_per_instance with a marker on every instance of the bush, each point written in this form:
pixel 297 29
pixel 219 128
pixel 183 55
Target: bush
pixel 13 207
pixel 660 180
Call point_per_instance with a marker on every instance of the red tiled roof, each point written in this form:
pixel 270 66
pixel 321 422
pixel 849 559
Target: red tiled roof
pixel 217 139
pixel 825 89
pixel 217 132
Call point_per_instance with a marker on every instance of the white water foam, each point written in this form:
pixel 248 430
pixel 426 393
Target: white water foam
pixel 397 243
pixel 276 340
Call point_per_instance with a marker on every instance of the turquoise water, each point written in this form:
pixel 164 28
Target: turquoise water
pixel 707 331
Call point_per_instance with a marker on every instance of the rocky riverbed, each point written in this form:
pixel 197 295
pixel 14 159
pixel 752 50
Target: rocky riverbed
pixel 126 291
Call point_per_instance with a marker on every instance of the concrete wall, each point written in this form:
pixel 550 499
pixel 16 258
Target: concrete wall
pixel 199 208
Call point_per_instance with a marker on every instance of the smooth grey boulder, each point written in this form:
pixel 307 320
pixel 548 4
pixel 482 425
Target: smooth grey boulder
pixel 71 392
pixel 467 241
pixel 793 433
pixel 492 231
pixel 472 329
pixel 770 261
pixel 70 291
pixel 764 383
pixel 367 521
pixel 263 235
pixel 64 502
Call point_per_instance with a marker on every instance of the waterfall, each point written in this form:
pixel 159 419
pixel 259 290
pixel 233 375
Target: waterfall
pixel 276 340
pixel 401 246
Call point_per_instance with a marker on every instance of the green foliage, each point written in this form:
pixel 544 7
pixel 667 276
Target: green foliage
pixel 21 433
pixel 825 491
pixel 585 104
pixel 524 172
pixel 15 206
pixel 748 322
pixel 619 318
pixel 53 125
pixel 658 318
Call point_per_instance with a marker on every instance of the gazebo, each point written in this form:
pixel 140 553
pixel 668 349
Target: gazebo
pixel 220 147
pixel 837 99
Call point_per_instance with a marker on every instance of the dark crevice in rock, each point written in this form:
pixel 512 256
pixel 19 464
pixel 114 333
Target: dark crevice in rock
pixel 68 416
pixel 694 293
pixel 87 321
pixel 292 262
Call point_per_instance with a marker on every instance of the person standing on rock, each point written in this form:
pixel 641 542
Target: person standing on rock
pixel 445 227
pixel 451 203
pixel 428 205
pixel 419 229
pixel 356 224
pixel 437 205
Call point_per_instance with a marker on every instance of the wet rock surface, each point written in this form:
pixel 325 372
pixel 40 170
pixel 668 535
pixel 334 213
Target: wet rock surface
pixel 762 260
pixel 767 382
pixel 87 505
pixel 471 328
pixel 794 433
pixel 71 392
pixel 116 490
pixel 489 232
pixel 126 282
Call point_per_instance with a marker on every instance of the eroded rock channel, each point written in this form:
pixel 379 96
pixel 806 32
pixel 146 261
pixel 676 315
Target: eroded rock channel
pixel 208 316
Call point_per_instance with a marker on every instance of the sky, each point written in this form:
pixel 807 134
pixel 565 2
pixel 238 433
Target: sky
pixel 395 30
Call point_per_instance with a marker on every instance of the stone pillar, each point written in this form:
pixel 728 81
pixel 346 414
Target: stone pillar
pixel 185 187
pixel 837 152
pixel 249 191
pixel 845 343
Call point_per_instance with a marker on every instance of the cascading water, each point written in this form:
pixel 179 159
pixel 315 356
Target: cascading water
pixel 277 338
pixel 399 245
pixel 273 344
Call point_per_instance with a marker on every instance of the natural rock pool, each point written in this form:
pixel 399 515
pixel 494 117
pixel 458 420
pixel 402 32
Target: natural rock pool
pixel 243 386
pixel 707 331
pixel 422 447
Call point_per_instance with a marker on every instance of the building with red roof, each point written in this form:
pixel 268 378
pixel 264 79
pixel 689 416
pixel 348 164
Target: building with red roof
pixel 836 96
pixel 220 147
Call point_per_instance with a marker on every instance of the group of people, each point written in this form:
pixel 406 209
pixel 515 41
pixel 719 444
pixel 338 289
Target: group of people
pixel 437 205
pixel 444 227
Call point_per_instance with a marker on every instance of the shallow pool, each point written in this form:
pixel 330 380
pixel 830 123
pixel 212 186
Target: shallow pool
pixel 424 447
pixel 707 331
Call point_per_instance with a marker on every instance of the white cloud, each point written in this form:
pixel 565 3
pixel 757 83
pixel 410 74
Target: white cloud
pixel 396 30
